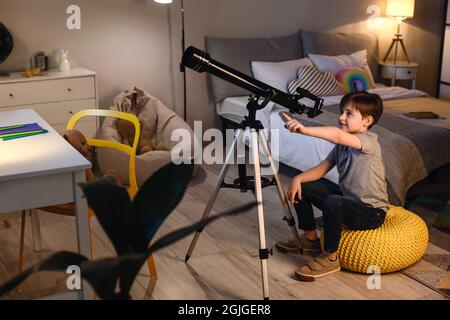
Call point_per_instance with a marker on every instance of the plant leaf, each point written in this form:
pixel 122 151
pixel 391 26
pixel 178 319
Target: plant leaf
pixel 59 261
pixel 103 274
pixel 111 204
pixel 155 200
pixel 183 232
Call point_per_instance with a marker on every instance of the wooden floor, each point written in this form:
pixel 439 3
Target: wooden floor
pixel 225 264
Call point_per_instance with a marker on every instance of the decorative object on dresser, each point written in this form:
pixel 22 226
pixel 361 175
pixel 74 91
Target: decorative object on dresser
pixel 40 61
pixel 399 10
pixel 444 78
pixel 55 96
pixel 399 71
pixel 6 46
pixel 64 65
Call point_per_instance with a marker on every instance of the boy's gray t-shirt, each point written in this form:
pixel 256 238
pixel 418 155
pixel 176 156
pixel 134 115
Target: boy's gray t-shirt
pixel 361 172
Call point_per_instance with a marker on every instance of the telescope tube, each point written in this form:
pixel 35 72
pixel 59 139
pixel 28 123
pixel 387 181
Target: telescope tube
pixel 200 61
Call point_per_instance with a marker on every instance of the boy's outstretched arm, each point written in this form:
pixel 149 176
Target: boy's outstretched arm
pixel 332 134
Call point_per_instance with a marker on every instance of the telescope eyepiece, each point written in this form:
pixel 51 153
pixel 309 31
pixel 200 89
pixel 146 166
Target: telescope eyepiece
pixel 196 59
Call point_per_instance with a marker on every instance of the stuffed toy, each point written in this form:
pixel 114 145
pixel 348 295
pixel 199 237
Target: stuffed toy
pixel 79 142
pixel 135 101
pixel 126 130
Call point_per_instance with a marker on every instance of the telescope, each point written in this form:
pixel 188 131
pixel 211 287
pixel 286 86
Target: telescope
pixel 200 61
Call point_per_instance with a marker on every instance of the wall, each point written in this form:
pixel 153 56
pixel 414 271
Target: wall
pixel 256 18
pixel 137 42
pixel 125 41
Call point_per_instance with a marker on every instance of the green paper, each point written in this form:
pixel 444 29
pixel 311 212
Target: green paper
pixel 12 127
pixel 22 135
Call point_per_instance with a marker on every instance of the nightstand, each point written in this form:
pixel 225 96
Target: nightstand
pixel 402 70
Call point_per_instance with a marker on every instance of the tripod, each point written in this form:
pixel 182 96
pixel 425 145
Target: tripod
pixel 255 184
pixel 398 39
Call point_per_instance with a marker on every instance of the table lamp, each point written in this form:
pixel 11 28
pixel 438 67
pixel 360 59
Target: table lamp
pixel 399 10
pixel 183 47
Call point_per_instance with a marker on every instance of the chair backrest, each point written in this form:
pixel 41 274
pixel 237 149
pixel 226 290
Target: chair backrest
pixel 131 151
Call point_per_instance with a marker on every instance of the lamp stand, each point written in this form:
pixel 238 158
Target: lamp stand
pixel 398 39
pixel 182 68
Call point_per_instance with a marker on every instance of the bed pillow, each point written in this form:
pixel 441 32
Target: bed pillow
pixel 278 74
pixel 334 64
pixel 353 79
pixel 318 83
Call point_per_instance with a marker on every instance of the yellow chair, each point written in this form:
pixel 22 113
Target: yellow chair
pixel 399 243
pixel 68 209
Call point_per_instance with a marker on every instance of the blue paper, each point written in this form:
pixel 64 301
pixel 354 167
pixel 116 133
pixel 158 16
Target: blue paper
pixel 22 129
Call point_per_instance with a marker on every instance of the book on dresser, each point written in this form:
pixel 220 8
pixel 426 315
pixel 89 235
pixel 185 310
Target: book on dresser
pixel 55 96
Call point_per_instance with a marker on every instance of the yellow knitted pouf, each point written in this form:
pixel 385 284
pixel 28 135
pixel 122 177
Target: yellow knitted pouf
pixel 399 243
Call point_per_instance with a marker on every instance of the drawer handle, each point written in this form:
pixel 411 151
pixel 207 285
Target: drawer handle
pixel 71 112
pixel 69 89
pixel 11 95
pixel 409 72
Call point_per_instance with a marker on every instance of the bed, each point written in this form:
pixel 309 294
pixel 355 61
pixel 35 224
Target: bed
pixel 412 149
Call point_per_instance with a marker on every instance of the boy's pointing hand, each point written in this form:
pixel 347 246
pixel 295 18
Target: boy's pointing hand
pixel 292 124
pixel 295 126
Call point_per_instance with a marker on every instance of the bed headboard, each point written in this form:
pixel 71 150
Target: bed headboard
pixel 333 44
pixel 238 53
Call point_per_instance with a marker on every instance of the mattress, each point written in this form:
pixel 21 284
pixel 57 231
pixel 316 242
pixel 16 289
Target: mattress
pixel 299 151
pixel 234 108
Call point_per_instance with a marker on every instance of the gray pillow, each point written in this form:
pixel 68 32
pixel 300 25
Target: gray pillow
pixel 333 44
pixel 238 54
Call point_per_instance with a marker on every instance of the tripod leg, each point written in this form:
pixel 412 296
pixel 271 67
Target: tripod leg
pixel 263 251
pixel 404 50
pixel 389 50
pixel 284 201
pixel 212 199
pixel 395 54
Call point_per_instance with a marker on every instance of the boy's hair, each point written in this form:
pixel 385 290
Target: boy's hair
pixel 368 104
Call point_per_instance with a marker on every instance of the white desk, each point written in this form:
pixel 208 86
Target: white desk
pixel 40 171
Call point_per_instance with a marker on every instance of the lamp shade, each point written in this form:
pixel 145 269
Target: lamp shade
pixel 400 8
pixel 163 1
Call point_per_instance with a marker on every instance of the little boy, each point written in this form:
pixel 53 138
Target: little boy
pixel 359 202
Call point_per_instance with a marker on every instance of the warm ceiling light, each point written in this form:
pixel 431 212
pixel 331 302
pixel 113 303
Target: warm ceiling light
pixel 163 1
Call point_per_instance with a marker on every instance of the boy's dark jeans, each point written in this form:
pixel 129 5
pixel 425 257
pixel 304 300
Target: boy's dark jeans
pixel 337 210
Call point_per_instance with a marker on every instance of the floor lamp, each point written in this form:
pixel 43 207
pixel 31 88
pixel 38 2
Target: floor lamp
pixel 399 10
pixel 183 48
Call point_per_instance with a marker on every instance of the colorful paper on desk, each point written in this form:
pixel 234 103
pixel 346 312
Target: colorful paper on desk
pixel 23 135
pixel 19 129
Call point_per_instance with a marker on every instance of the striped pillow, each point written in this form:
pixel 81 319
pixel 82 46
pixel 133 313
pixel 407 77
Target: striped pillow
pixel 316 82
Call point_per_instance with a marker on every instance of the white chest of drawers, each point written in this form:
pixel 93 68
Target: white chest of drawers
pixel 56 96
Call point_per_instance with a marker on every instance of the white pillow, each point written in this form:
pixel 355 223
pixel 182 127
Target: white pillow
pixel 334 64
pixel 278 74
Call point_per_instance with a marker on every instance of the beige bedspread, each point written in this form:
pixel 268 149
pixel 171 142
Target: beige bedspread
pixel 438 106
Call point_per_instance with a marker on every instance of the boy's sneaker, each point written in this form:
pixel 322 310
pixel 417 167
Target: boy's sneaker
pixel 309 247
pixel 318 267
